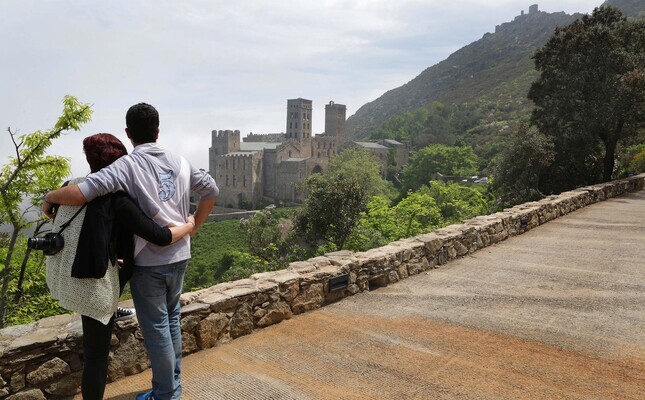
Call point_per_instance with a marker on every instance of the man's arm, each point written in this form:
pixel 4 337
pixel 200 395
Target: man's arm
pixel 69 195
pixel 204 208
pixel 204 185
pixel 107 180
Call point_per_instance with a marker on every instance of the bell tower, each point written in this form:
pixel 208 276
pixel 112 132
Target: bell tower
pixel 335 116
pixel 299 118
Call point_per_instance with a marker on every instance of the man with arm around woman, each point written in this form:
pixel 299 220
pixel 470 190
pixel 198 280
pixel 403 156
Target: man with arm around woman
pixel 160 183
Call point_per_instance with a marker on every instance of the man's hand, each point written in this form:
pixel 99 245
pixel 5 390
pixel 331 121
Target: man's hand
pixel 48 209
pixel 69 195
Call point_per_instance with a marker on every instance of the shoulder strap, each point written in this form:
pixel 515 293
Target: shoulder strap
pixel 66 224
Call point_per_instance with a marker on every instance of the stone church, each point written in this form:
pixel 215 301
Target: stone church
pixel 263 168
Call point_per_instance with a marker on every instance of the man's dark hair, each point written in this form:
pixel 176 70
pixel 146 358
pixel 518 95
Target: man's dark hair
pixel 142 121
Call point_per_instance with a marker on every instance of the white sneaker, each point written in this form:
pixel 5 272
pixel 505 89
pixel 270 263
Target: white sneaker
pixel 123 314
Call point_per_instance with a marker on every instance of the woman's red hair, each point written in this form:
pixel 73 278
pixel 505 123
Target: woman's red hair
pixel 102 150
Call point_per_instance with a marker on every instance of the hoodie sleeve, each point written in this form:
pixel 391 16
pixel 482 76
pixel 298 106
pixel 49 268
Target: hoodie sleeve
pixel 203 184
pixel 113 178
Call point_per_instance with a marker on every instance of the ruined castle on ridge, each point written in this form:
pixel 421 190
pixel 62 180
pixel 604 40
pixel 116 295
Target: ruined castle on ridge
pixel 267 168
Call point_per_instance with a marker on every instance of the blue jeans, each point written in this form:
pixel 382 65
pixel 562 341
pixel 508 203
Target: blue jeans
pixel 156 291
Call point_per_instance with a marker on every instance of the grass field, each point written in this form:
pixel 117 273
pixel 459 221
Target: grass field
pixel 212 241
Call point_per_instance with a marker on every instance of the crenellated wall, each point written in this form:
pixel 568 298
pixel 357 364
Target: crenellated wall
pixel 44 359
pixel 265 137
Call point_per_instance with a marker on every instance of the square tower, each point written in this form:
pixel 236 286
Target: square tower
pixel 223 142
pixel 335 121
pixel 299 124
pixel 299 119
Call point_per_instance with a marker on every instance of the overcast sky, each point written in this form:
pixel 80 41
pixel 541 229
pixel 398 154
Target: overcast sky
pixel 210 65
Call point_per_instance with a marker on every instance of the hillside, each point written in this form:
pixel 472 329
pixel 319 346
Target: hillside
pixel 631 8
pixel 496 70
pixel 473 71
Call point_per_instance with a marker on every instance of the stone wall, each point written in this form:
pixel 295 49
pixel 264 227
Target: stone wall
pixel 44 359
pixel 238 175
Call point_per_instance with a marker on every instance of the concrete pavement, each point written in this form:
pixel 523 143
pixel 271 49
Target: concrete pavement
pixel 558 312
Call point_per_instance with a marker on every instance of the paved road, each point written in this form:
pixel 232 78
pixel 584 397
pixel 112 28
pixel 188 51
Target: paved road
pixel 557 313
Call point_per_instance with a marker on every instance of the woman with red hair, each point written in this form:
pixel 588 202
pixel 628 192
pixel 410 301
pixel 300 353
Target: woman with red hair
pixel 84 276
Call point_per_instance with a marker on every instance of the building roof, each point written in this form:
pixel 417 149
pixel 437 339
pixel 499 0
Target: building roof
pixel 242 153
pixel 392 141
pixel 371 145
pixel 251 146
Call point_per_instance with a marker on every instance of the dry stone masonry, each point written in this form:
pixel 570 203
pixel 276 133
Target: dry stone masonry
pixel 43 360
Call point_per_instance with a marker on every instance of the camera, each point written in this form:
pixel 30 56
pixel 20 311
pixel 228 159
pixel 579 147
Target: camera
pixel 51 243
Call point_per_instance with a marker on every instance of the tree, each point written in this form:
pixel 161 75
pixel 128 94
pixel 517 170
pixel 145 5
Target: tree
pixel 429 208
pixel 456 202
pixel 333 203
pixel 29 299
pixel 241 265
pixel 438 158
pixel 590 94
pixel 403 127
pixel 375 226
pixel 636 159
pixel 26 178
pixel 380 223
pixel 436 123
pixel 267 237
pixel 243 202
pixel 437 127
pixel 361 165
pixel 521 164
pixel 417 213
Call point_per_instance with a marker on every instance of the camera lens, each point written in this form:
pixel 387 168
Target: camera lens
pixel 37 243
pixel 50 244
